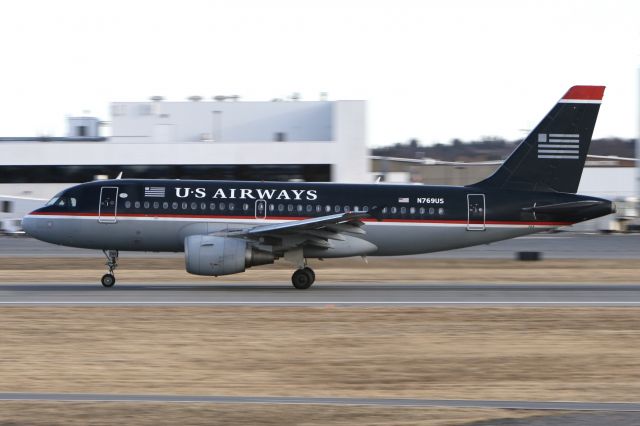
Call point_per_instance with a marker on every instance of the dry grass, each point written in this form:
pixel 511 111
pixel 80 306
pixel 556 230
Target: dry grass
pixel 483 353
pixel 71 414
pixel 349 270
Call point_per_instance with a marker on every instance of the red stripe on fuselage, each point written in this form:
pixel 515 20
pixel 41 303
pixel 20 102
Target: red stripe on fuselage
pixel 189 216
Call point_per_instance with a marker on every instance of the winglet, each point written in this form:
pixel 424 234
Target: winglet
pixel 586 94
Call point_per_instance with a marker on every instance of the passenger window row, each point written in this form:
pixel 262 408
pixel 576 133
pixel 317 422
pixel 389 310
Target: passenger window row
pixel 281 208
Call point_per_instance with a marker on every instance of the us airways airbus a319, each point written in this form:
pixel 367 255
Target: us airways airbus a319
pixel 224 227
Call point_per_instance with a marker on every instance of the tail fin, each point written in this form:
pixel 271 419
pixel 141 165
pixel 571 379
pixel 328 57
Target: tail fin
pixel 552 157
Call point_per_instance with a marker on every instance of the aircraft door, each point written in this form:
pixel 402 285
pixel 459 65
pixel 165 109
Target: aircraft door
pixel 261 209
pixel 476 215
pixel 108 207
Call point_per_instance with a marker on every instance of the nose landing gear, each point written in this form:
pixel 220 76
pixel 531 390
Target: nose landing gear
pixel 109 279
pixel 303 278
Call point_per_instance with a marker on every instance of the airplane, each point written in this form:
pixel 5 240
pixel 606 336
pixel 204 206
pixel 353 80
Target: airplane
pixel 225 227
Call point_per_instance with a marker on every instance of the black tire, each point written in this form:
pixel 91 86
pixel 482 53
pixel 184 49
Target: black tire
pixel 312 273
pixel 108 280
pixel 302 279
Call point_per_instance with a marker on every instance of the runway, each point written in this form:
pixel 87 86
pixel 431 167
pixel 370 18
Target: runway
pixel 322 294
pixel 385 402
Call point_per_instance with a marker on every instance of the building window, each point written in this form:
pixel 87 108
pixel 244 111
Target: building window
pixel 7 207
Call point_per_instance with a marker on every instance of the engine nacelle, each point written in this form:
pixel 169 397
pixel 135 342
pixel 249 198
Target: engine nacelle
pixel 208 255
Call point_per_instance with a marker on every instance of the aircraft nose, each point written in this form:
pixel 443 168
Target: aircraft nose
pixel 29 225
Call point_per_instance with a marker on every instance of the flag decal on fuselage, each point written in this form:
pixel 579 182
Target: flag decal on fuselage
pixel 559 146
pixel 154 191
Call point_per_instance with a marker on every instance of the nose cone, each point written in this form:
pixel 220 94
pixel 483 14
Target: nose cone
pixel 29 225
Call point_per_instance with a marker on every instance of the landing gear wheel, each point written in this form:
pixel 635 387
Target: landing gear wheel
pixel 108 280
pixel 303 278
pixel 310 271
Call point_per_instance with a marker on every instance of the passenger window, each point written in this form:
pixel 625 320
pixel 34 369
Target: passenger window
pixel 440 211
pixel 365 209
pixel 336 209
pixel 290 207
pixel 156 205
pixel 272 207
pixel 222 206
pixel 146 204
pixel 165 205
pixel 203 206
pixel 245 206
pixel 184 205
pixel 232 206
pixel 309 208
pixel 127 204
pixel 327 208
pixel 174 205
pixel 403 210
pixel 299 208
pixel 394 210
pixel 346 209
pixel 384 210
pixel 422 210
pixel 137 204
pixel 318 208
pixel 212 206
pixel 431 210
pixel 73 202
pixel 194 205
pixel 280 207
pixel 412 210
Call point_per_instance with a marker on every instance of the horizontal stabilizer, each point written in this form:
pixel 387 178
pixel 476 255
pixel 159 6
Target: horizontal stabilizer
pixel 564 208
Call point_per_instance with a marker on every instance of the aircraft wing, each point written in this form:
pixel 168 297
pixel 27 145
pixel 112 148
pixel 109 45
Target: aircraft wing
pixel 349 221
pixel 351 218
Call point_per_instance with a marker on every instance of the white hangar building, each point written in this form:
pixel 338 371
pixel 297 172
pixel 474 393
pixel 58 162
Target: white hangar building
pixel 195 139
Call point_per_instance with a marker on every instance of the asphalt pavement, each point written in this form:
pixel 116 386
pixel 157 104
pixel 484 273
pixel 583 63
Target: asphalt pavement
pixel 322 294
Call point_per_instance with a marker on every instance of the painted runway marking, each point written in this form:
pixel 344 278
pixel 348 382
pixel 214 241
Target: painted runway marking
pixel 328 302
pixel 284 400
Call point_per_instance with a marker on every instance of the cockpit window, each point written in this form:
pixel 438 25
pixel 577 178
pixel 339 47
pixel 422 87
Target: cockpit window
pixel 63 201
pixel 54 199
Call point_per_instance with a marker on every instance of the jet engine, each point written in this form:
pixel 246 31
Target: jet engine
pixel 208 255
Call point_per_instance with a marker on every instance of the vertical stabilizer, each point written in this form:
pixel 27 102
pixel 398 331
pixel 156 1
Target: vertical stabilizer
pixel 552 157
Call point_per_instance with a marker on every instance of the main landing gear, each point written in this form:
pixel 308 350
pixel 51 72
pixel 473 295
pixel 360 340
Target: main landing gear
pixel 109 279
pixel 303 278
